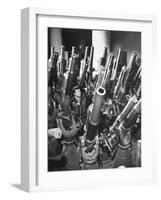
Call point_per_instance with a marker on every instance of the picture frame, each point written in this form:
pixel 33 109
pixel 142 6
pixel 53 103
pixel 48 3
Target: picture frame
pixel 34 176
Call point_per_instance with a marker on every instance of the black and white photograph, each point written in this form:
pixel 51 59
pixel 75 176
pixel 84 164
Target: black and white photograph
pixel 94 99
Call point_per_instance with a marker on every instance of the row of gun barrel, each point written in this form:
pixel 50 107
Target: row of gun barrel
pixel 113 72
pixel 103 101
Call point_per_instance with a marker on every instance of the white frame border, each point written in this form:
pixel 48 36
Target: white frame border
pixel 29 85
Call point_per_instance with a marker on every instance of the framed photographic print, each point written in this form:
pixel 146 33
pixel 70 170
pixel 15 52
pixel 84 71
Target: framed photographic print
pixel 86 106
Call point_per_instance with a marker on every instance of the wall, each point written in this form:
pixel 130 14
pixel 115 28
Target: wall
pixel 55 38
pixel 76 37
pixel 69 38
pixel 10 99
pixel 100 39
pixel 130 41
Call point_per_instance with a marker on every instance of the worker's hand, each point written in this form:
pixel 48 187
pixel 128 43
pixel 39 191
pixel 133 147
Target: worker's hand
pixel 55 132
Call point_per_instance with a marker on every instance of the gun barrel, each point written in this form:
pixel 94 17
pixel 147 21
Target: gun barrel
pixel 90 63
pixel 120 81
pixel 108 70
pixel 132 115
pixel 132 69
pixel 71 75
pixel 66 102
pixel 52 75
pixel 137 81
pixel 95 115
pixel 73 51
pixel 83 68
pixel 121 61
pixel 117 60
pixel 132 101
pixel 85 54
pixel 104 57
pixel 52 52
pixel 61 63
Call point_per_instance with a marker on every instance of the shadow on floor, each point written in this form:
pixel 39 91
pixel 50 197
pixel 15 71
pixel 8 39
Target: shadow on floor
pixel 17 186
